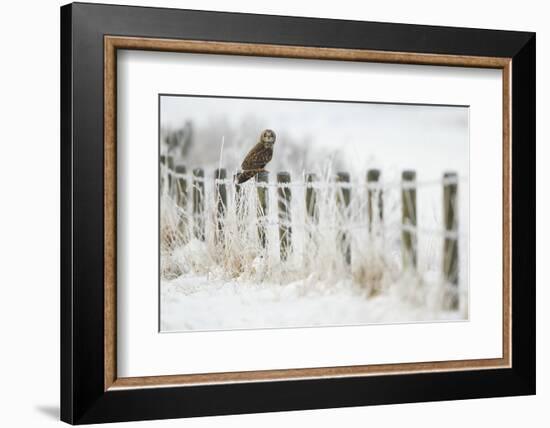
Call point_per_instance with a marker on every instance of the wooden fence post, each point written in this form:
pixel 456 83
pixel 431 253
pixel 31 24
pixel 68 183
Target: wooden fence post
pixel 374 192
pixel 285 217
pixel 343 196
pixel 408 219
pixel 311 198
pixel 237 200
pixel 181 186
pixel 221 201
pixel 181 195
pixel 262 179
pixel 450 243
pixel 170 166
pixel 198 203
pixel 162 170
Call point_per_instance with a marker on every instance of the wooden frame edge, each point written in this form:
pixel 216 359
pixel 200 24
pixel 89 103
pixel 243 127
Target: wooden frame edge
pixel 112 43
pixel 507 212
pixel 301 52
pixel 300 374
pixel 109 198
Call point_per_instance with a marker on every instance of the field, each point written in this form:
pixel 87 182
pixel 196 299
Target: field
pixel 362 217
pixel 224 264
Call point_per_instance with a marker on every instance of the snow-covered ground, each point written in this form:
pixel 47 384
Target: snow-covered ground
pixel 198 303
pixel 230 280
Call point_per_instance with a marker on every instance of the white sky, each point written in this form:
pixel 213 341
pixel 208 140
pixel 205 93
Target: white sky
pixel 430 139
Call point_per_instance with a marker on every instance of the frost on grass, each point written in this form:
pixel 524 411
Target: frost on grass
pixel 230 280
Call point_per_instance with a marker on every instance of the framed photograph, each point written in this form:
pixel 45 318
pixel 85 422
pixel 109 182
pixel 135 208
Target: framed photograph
pixel 265 213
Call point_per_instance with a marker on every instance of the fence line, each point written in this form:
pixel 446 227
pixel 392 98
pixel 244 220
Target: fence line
pixel 406 185
pixel 321 184
pixel 181 184
pixel 264 221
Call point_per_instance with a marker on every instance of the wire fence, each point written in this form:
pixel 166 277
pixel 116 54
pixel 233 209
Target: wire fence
pixel 207 204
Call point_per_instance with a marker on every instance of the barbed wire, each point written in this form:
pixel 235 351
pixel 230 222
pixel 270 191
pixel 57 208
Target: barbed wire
pixel 343 226
pixel 384 227
pixel 447 234
pixel 372 185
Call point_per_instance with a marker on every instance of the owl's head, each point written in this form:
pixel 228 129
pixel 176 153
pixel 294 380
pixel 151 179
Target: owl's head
pixel 268 137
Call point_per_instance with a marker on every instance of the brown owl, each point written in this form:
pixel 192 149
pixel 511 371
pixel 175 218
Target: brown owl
pixel 258 157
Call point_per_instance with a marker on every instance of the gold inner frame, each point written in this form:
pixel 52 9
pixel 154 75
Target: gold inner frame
pixel 113 43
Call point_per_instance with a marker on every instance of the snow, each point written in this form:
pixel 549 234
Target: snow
pixel 193 303
pixel 232 282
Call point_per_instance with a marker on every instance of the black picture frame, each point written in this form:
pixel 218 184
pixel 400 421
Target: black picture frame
pixel 83 398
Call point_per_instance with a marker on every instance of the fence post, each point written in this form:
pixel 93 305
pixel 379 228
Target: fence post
pixel 285 217
pixel 198 202
pixel 408 219
pixel 262 178
pixel 374 192
pixel 450 244
pixel 181 186
pixel 311 198
pixel 238 206
pixel 343 196
pixel 221 201
pixel 181 194
pixel 170 166
pixel 162 173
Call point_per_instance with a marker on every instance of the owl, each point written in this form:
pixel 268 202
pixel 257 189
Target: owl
pixel 258 157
